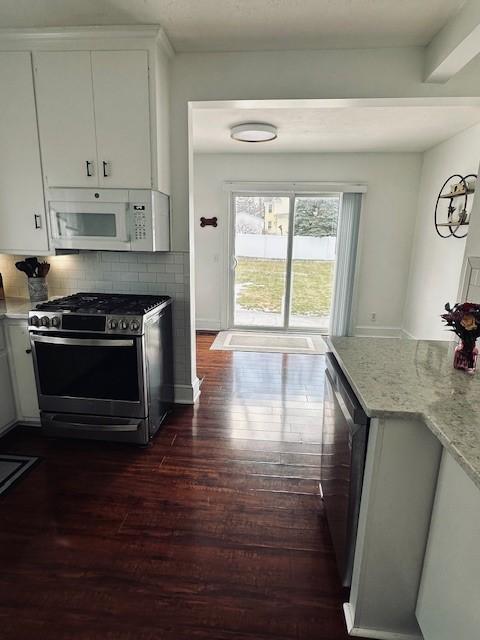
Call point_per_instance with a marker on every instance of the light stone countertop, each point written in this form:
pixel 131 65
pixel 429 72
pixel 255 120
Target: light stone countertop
pixel 415 378
pixel 15 308
pixel 18 308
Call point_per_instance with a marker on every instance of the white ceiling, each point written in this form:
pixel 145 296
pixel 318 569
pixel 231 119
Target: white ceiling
pixel 337 129
pixel 238 25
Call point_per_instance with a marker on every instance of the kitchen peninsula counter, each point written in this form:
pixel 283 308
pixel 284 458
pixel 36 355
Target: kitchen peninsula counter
pixel 416 553
pixel 415 378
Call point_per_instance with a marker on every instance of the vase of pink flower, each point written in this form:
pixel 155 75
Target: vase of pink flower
pixel 464 320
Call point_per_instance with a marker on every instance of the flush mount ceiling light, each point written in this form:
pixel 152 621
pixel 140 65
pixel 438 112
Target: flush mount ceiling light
pixel 253 132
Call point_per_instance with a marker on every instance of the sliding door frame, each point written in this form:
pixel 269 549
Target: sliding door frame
pixel 291 190
pixel 288 280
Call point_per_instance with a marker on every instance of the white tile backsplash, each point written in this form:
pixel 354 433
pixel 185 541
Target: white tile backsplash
pixel 107 271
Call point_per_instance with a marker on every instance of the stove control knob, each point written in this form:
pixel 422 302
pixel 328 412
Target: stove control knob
pixel 45 321
pixel 134 325
pixel 123 324
pixel 35 321
pixel 112 324
pixel 55 321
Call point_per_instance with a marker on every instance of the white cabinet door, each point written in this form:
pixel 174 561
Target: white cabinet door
pixel 7 401
pixel 22 207
pixel 449 596
pixel 122 118
pixel 63 81
pixel 23 374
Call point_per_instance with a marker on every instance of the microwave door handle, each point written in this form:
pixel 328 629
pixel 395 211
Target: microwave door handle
pixel 54 233
pixel 83 342
pixel 123 225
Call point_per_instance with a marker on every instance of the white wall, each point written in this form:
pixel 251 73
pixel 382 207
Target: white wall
pixel 385 233
pixel 436 263
pixel 268 75
pixel 367 73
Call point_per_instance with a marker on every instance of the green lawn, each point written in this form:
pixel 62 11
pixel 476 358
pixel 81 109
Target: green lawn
pixel 263 285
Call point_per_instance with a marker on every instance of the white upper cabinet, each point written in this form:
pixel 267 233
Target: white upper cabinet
pixel 65 111
pixel 94 118
pixel 122 117
pixel 22 207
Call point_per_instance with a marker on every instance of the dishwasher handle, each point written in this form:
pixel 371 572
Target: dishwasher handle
pixel 348 401
pixel 351 403
pixel 341 403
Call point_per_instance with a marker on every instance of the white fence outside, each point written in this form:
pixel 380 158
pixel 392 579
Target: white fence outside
pixel 249 245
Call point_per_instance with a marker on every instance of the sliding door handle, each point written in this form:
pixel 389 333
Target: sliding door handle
pixel 90 167
pixel 38 221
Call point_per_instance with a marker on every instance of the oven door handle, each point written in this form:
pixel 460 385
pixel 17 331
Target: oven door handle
pixel 82 342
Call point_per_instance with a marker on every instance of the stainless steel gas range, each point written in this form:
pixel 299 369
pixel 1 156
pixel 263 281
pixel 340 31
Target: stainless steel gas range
pixel 103 365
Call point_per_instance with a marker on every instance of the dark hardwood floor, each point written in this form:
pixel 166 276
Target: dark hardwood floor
pixel 214 532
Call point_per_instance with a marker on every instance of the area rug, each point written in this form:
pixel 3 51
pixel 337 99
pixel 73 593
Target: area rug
pixel 271 342
pixel 12 468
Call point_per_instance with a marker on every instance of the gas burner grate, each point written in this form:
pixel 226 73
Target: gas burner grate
pixel 106 303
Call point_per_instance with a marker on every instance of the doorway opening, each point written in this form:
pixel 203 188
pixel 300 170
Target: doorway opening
pixel 283 256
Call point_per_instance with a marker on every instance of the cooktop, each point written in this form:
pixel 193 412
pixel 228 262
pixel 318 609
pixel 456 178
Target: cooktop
pixel 104 303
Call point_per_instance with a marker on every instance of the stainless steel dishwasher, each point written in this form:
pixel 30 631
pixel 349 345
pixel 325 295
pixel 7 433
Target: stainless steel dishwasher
pixel 344 442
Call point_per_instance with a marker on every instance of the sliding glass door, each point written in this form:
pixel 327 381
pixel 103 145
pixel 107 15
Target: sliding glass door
pixel 313 261
pixel 260 260
pixel 283 260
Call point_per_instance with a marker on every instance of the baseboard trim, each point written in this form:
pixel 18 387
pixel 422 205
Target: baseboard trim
pixel 208 325
pixel 187 393
pixel 19 423
pixel 8 427
pixel 407 334
pixel 377 332
pixel 375 634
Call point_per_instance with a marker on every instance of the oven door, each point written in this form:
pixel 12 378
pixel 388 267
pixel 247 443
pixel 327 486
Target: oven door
pixel 89 225
pixel 78 373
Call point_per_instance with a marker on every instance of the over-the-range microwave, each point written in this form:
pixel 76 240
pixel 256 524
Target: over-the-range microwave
pixel 109 219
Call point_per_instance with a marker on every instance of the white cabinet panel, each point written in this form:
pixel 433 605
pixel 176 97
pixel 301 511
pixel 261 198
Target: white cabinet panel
pixel 449 596
pixel 22 208
pixel 122 117
pixel 22 370
pixel 7 402
pixel 398 492
pixel 63 81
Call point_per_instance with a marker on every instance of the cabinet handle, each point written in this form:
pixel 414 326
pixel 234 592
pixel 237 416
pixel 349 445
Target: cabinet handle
pixel 105 167
pixel 38 221
pixel 89 164
pixel 28 351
